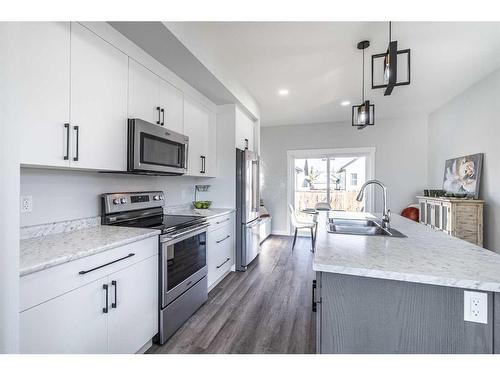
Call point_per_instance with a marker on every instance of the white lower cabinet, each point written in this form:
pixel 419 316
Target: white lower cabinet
pixel 117 313
pixel 133 319
pixel 220 249
pixel 71 323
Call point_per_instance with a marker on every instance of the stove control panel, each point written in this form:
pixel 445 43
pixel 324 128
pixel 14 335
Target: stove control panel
pixel 120 202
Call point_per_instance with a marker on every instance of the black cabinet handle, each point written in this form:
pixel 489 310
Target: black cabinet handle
pixel 66 126
pixel 159 115
pixel 225 238
pixel 219 222
pixel 105 308
pixel 107 264
pixel 202 164
pixel 314 296
pixel 77 130
pixel 220 265
pixel 163 116
pixel 246 144
pixel 115 303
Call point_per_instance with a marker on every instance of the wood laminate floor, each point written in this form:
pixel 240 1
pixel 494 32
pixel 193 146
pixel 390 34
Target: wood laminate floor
pixel 266 309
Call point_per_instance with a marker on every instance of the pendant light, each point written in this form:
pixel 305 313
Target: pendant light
pixel 390 66
pixel 363 114
pixel 387 60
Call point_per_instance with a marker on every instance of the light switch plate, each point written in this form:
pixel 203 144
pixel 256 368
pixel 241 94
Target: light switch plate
pixel 476 307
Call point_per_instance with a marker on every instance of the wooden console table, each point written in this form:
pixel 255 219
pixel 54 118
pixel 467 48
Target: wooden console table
pixel 462 218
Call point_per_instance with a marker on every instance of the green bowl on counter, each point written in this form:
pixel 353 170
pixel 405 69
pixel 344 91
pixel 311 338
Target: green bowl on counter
pixel 202 205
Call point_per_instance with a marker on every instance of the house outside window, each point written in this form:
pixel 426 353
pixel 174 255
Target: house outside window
pixel 354 179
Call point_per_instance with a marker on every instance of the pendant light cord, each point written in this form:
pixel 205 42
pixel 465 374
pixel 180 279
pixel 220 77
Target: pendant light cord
pixel 363 74
pixel 390 27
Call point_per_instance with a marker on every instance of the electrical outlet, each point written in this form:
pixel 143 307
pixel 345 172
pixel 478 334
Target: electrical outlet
pixel 476 307
pixel 26 203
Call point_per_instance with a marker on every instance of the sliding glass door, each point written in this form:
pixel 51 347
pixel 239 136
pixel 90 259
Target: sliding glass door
pixel 310 183
pixel 347 175
pixel 331 178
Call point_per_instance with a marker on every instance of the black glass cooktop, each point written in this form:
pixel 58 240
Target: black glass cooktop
pixel 165 223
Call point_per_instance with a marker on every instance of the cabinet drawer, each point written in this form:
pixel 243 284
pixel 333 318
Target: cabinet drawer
pixel 220 257
pixel 221 221
pixel 39 287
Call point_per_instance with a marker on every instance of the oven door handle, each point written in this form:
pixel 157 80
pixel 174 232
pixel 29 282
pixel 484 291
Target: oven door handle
pixel 182 236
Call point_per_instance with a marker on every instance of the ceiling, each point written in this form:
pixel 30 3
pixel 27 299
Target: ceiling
pixel 320 66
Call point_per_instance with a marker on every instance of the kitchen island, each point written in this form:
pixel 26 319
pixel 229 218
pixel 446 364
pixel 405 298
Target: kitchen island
pixel 382 294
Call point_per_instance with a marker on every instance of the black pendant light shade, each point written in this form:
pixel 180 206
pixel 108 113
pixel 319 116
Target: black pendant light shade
pixel 385 67
pixel 363 114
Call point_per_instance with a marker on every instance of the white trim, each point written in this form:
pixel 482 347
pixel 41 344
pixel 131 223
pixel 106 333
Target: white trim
pixel 368 152
pixel 279 233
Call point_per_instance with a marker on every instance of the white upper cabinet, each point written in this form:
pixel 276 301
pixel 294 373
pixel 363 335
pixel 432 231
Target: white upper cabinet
pixel 73 93
pixel 98 120
pixel 172 107
pixel 43 58
pixel 211 162
pixel 153 99
pixel 144 93
pixel 199 126
pixel 244 131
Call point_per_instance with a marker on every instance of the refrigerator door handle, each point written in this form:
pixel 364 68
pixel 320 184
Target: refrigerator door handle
pixel 255 186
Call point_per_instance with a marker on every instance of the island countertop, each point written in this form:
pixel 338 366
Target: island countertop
pixel 425 256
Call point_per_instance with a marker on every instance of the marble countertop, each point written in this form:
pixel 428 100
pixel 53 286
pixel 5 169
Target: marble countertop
pixel 209 213
pixel 47 251
pixel 426 256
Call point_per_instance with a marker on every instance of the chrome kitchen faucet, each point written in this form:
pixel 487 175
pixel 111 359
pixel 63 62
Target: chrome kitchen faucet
pixel 386 219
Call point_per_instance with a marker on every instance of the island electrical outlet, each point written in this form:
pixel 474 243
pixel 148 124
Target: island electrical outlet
pixel 476 307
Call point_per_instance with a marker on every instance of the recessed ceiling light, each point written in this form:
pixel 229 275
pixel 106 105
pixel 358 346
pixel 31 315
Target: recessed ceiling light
pixel 345 103
pixel 283 92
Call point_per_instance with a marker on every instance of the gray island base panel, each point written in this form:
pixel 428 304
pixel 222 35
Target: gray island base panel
pixel 357 314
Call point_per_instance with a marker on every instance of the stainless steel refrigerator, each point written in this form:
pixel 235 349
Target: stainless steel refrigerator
pixel 247 208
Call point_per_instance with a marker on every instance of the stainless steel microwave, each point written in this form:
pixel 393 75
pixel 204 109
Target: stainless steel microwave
pixel 153 149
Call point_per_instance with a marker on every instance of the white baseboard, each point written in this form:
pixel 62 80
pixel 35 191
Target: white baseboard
pixel 280 233
pixel 210 287
pixel 145 347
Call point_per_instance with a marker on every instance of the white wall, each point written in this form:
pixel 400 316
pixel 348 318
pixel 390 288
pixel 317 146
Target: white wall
pixel 469 124
pixel 9 191
pixel 400 158
pixel 60 195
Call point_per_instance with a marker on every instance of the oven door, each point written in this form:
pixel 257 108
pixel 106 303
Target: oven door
pixel 183 263
pixel 155 149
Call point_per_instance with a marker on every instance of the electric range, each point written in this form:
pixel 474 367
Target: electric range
pixel 182 246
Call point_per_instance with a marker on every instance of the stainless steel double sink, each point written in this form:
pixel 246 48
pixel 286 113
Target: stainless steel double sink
pixel 360 227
